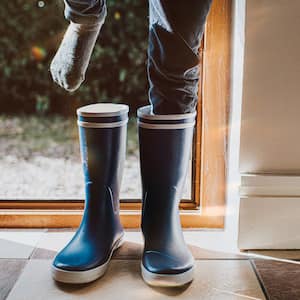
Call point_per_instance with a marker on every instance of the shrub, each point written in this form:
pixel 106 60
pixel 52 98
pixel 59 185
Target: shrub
pixel 29 36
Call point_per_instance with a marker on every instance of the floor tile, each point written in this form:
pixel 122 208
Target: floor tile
pixel 10 270
pixel 53 241
pixel 220 279
pixel 50 243
pixel 219 244
pixel 18 243
pixel 281 280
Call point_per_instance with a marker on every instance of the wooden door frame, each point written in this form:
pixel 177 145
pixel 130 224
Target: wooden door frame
pixel 207 208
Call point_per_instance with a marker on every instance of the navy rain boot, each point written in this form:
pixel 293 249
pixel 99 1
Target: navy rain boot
pixel 102 133
pixel 165 146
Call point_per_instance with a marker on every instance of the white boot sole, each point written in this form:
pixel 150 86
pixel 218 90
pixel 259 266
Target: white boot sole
pixel 79 277
pixel 167 280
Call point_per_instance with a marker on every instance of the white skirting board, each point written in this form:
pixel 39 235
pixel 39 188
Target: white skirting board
pixel 269 216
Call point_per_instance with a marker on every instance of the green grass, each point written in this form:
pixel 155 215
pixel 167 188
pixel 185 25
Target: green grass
pixel 52 136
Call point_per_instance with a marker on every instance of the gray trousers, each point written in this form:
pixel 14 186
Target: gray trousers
pixel 175 31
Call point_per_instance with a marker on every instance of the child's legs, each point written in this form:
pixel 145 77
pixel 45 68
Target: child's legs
pixel 71 60
pixel 175 31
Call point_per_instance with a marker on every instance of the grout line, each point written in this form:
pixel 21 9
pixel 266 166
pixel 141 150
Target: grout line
pixel 259 278
pixel 32 253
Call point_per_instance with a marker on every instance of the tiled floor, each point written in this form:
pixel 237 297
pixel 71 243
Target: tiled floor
pixel 226 279
pixel 222 272
pixel 18 243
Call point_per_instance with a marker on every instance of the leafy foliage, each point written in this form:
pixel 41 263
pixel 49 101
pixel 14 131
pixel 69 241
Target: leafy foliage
pixel 29 36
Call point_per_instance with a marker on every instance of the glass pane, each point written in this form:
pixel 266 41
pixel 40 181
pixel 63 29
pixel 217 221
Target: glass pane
pixel 39 147
pixel 40 159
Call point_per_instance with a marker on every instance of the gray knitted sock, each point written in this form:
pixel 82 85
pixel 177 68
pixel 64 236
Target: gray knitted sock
pixel 71 60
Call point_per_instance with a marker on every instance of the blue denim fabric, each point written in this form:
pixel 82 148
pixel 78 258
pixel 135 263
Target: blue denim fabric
pixel 85 11
pixel 175 31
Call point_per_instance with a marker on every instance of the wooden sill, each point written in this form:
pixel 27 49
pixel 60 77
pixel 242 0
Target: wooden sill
pixel 40 214
pixel 68 213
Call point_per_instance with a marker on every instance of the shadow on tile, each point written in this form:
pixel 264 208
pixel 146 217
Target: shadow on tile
pixel 41 253
pixel 10 270
pixel 133 269
pixel 173 292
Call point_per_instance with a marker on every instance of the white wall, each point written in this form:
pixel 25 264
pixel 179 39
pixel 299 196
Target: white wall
pixel 270 126
pixel 270 132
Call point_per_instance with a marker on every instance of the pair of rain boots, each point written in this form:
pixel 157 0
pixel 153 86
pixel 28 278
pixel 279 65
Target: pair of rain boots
pixel 165 142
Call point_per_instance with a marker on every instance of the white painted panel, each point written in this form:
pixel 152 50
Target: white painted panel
pixel 269 185
pixel 270 123
pixel 269 223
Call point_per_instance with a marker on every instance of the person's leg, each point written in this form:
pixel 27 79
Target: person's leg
pixel 176 29
pixel 166 134
pixel 69 65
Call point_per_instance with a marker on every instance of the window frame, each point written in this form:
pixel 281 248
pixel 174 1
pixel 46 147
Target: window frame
pixel 207 207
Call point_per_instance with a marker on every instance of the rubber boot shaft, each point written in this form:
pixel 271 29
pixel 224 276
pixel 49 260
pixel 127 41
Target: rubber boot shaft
pixel 103 146
pixel 165 147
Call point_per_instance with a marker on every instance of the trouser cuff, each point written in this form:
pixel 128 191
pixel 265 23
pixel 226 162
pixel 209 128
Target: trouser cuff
pixel 146 119
pixel 85 16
